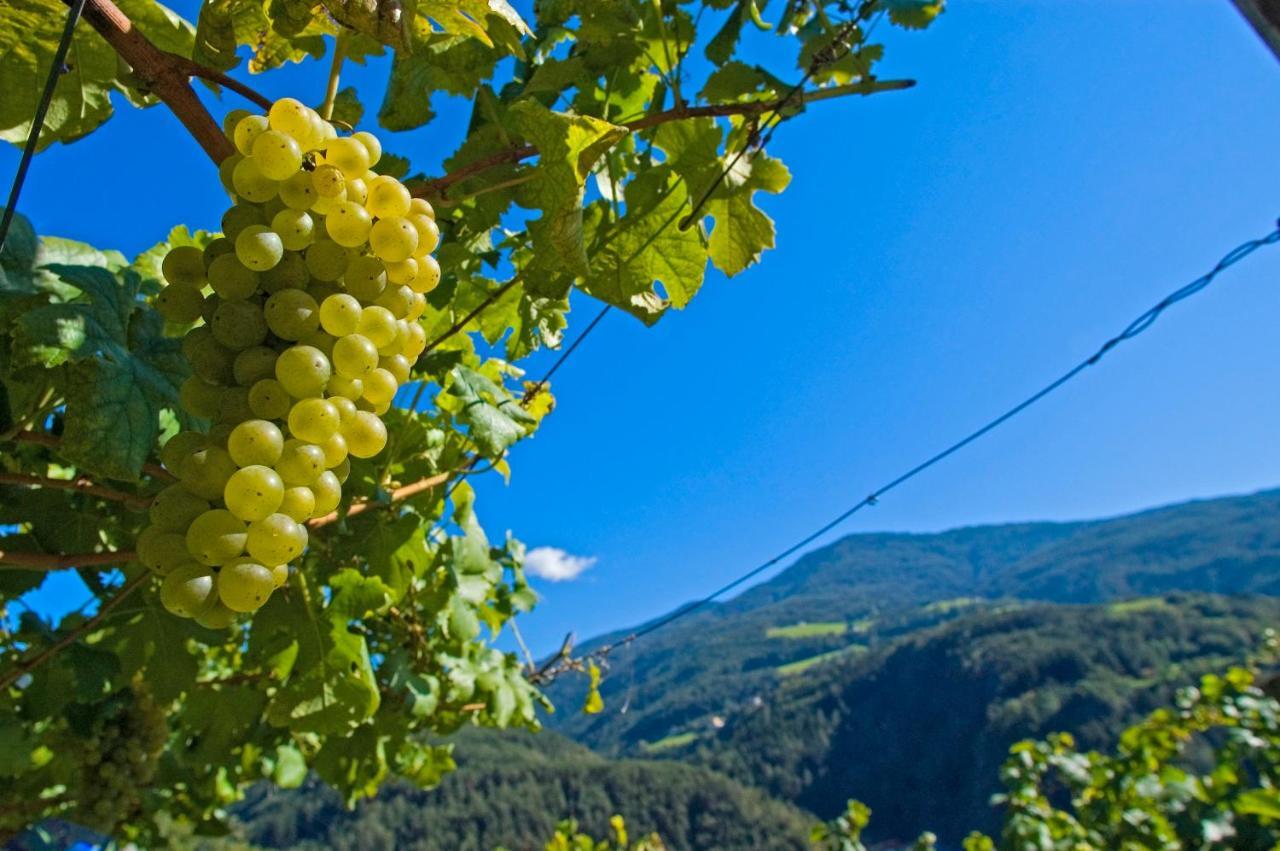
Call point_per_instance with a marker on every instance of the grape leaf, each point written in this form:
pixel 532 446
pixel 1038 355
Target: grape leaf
pixel 120 369
pixel 494 419
pixel 29 34
pixel 742 231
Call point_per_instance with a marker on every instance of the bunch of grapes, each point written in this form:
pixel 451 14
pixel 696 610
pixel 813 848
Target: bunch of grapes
pixel 119 758
pixel 304 325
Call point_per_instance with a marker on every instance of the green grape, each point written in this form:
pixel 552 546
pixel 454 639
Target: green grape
pixel 299 503
pixel 378 325
pixel 326 260
pixel 355 355
pixel 295 227
pixel 269 400
pixel 235 406
pixel 342 471
pixel 231 279
pixel 428 234
pixel 396 299
pixel 216 249
pixel 239 325
pixel 371 144
pixel 292 314
pixel 341 386
pixel 251 184
pixel 253 492
pixel 328 492
pixel 325 207
pixel 320 290
pixel 187 589
pixel 397 342
pixel 415 341
pixel 226 173
pixel 209 359
pixel 420 206
pixel 303 371
pixel 300 462
pixel 255 442
pixel 180 303
pixel 349 155
pixel 279 156
pixel 357 191
pixel 174 508
pixel 334 448
pixel 346 409
pixel 328 182
pixel 219 433
pixel 270 208
pixel 216 537
pixel 289 115
pixel 277 539
pixel 348 225
pixel 290 273
pixel 238 217
pixel 377 409
pixel 340 314
pixel 200 398
pixel 365 434
pixel 244 585
pixel 211 303
pixel 398 365
pixel 280 575
pixel 428 275
pixel 388 199
pixel 253 364
pixel 313 420
pixel 417 307
pixel 205 472
pixel 161 550
pixel 402 271
pixel 380 386
pixel 184 265
pixel 299 191
pixel 259 247
pixel 178 447
pixel 393 239
pixel 215 615
pixel 318 339
pixel 247 130
pixel 231 119
pixel 365 278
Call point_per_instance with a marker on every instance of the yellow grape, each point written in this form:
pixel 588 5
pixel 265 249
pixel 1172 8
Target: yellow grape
pixel 348 225
pixel 278 154
pixel 393 240
pixel 371 145
pixel 247 131
pixel 349 155
pixel 388 198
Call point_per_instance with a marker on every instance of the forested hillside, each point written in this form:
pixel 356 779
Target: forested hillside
pixel 893 668
pixel 511 789
pixel 868 589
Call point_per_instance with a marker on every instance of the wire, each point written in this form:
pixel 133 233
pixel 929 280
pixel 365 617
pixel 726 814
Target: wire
pixel 537 388
pixel 33 138
pixel 1134 328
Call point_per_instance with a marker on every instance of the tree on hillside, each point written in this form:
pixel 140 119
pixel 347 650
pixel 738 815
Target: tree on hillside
pixel 615 147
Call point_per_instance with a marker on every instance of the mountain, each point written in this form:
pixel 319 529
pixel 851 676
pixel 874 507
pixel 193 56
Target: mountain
pixel 509 791
pixel 919 730
pixel 894 668
pixel 865 590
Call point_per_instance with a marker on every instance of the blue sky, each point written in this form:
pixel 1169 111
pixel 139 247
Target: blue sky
pixel 941 253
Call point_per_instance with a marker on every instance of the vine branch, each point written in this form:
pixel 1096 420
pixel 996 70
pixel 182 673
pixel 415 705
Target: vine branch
pixel 515 154
pixel 75 634
pixel 41 438
pixel 167 75
pixel 78 485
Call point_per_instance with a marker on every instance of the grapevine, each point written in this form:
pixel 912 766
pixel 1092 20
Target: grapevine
pixel 302 325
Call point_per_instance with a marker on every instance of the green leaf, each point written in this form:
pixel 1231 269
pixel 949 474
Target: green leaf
pixel 431 63
pixel 742 231
pixel 224 25
pixel 647 248
pixel 594 704
pixel 29 34
pixel 568 148
pixel 494 419
pixel 120 369
pixel 395 551
pixel 290 769
pixel 347 108
pixel 1264 803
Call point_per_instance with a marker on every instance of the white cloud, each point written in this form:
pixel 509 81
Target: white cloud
pixel 556 565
